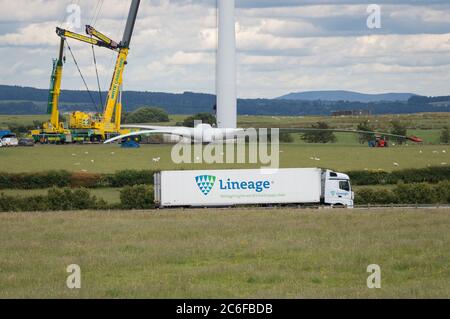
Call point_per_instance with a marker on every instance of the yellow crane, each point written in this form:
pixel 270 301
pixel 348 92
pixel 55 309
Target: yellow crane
pixel 99 127
pixel 53 130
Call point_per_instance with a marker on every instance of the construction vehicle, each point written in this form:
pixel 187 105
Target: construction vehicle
pixel 379 142
pixel 53 131
pixel 383 142
pixel 83 126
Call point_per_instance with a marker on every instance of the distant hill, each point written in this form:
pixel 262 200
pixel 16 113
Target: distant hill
pixel 15 100
pixel 347 96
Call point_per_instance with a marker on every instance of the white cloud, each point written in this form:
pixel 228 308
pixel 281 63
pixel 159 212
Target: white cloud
pixel 283 46
pixel 35 34
pixel 190 58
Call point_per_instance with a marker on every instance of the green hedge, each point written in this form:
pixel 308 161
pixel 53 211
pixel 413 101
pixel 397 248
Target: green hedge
pixel 145 177
pixel 35 181
pixel 131 197
pixel 55 200
pixel 416 193
pixel 371 196
pixel 130 178
pixel 30 204
pixel 420 175
pixel 137 197
pixel 74 180
pixel 142 197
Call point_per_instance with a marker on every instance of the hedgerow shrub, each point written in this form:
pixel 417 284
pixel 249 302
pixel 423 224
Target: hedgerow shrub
pixel 443 192
pixel 372 196
pixel 416 193
pixel 86 180
pixel 137 197
pixel 420 175
pixel 369 177
pixel 65 179
pixel 145 177
pixel 67 199
pixel 35 180
pixel 131 178
pixel 33 204
pixel 55 200
pixel 8 203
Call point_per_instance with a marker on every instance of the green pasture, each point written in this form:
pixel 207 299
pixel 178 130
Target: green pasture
pixel 111 158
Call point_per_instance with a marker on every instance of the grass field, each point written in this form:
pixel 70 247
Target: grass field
pixel 226 254
pixel 110 158
pixel 420 121
pixel 425 125
pixel 413 121
pixel 347 154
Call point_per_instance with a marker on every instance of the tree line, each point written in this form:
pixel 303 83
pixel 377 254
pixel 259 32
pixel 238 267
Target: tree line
pixel 12 102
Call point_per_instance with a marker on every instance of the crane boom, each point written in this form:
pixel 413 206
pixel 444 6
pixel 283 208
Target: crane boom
pixel 93 32
pixel 115 88
pixel 132 15
pixel 90 40
pixel 116 82
pixel 55 91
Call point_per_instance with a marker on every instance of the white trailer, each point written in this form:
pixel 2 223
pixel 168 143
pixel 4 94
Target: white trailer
pixel 224 188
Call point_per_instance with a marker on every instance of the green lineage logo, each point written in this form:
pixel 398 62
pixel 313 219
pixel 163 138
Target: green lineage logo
pixel 205 183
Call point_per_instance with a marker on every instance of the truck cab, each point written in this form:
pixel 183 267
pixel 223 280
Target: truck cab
pixel 337 189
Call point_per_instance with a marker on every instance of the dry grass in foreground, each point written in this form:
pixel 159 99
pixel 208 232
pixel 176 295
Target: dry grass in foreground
pixel 226 254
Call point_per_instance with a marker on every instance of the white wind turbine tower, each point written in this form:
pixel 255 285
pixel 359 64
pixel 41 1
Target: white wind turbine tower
pixel 226 66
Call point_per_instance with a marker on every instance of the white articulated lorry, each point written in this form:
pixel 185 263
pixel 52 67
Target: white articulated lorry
pixel 223 188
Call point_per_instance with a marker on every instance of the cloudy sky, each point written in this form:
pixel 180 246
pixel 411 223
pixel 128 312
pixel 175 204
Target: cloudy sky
pixel 284 45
